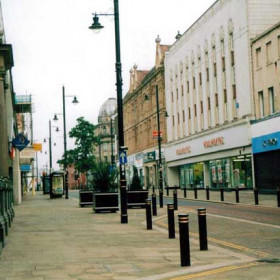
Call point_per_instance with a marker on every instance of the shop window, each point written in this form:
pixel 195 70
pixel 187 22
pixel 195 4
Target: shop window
pixel 242 171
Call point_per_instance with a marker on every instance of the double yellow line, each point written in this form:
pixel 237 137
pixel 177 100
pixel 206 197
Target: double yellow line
pixel 215 271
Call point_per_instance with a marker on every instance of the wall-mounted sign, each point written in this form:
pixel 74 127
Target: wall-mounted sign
pixel 155 134
pixel 37 147
pixel 20 142
pixel 214 142
pixel 182 151
pixel 150 156
pixel 266 143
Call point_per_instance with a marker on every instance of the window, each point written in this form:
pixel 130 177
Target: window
pixel 234 92
pixel 172 97
pixel 177 94
pixel 200 79
pixel 231 42
pixel 258 57
pixel 173 120
pixel 209 104
pixel 261 104
pixel 201 107
pixel 207 74
pixel 215 69
pixel 278 46
pixel 217 99
pixel 189 113
pixel 178 118
pixel 188 87
pixel 232 58
pixel 225 95
pixel 194 82
pixel 268 53
pixel 183 115
pixel 182 89
pixel 195 110
pixel 271 100
pixel 223 47
pixel 224 63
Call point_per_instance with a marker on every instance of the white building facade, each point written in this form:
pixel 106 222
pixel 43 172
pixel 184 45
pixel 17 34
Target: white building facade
pixel 209 97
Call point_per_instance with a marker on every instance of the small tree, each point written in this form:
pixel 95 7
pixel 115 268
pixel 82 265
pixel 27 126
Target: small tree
pixel 82 155
pixel 136 182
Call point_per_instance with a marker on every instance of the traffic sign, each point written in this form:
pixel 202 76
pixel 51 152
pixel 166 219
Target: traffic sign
pixel 123 157
pixel 20 142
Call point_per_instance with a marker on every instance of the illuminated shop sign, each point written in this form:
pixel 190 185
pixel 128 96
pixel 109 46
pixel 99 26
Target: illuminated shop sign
pixel 182 151
pixel 214 142
pixel 266 143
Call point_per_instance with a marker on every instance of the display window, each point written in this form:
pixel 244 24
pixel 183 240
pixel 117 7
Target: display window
pixel 192 175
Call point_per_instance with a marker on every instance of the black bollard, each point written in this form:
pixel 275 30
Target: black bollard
pixel 153 188
pixel 222 194
pixel 202 229
pixel 184 239
pixel 278 197
pixel 237 195
pixel 171 222
pixel 195 192
pixel 160 198
pixel 175 200
pixel 185 192
pixel 149 214
pixel 207 193
pixel 256 196
pixel 167 190
pixel 154 204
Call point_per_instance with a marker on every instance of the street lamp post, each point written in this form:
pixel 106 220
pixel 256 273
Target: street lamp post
pixel 75 101
pixel 96 26
pixel 112 145
pixel 159 153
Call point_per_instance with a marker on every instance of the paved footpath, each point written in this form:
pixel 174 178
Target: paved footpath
pixel 56 239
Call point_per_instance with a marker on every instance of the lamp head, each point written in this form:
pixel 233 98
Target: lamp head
pixel 96 26
pixel 75 100
pixel 166 114
pixel 57 129
pixel 45 140
pixel 55 117
pixel 146 97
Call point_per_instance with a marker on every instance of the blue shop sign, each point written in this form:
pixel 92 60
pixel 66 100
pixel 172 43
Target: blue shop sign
pixel 266 143
pixel 25 167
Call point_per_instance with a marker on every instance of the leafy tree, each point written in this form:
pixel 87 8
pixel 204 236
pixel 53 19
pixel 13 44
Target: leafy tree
pixel 136 182
pixel 82 155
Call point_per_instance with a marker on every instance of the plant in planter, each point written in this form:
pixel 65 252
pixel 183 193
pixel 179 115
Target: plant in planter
pixel 104 184
pixel 136 196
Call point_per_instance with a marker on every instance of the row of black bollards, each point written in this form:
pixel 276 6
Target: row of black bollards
pixel 183 220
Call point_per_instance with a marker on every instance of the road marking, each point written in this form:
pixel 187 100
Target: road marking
pixel 244 221
pixel 221 242
pixel 216 271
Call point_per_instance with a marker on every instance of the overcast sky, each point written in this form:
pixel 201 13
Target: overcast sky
pixel 53 46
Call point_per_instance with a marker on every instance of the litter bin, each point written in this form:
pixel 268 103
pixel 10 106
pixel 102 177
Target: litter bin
pixel 56 184
pixel 46 184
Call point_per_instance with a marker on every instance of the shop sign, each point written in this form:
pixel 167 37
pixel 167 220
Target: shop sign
pixel 214 142
pixel 150 156
pixel 156 133
pixel 266 143
pixel 182 151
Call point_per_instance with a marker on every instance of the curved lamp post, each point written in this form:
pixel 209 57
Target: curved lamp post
pixel 122 149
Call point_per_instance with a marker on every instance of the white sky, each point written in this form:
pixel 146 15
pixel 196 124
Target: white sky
pixel 53 46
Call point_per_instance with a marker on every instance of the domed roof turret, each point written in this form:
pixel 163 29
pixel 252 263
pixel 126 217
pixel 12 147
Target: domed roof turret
pixel 107 109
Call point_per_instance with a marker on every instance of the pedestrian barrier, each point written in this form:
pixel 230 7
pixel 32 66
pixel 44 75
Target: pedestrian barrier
pixel 171 220
pixel 149 214
pixel 175 200
pixel 222 194
pixel 154 204
pixel 184 239
pixel 202 226
pixel 207 193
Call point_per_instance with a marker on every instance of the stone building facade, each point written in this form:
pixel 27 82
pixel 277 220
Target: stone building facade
pixel 140 118
pixel 265 130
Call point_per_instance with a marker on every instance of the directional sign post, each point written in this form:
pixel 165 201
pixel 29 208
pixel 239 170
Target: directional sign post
pixel 20 142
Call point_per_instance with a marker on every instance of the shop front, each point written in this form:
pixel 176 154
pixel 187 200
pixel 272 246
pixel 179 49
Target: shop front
pixel 266 152
pixel 217 160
